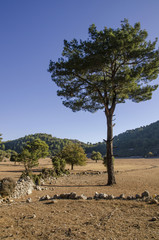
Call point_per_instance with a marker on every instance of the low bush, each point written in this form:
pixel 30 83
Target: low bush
pixel 59 164
pixel 48 173
pixel 7 186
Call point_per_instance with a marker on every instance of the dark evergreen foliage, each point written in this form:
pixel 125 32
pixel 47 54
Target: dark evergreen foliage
pixel 133 143
pixel 55 144
pixel 136 142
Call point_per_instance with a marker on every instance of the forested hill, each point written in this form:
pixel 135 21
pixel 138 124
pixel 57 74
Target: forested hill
pixel 55 144
pixel 138 142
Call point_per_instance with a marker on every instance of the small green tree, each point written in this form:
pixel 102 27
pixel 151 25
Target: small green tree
pixel 96 156
pixel 59 164
pixel 32 152
pixel 14 156
pixel 74 154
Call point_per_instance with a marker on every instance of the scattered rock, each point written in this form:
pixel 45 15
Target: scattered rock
pixel 42 182
pixel 145 194
pixel 130 198
pixel 122 196
pixel 56 196
pixel 30 216
pixel 146 199
pixel 38 188
pixel 89 198
pixel 153 201
pixel 82 197
pixel 96 195
pixel 29 191
pixel 91 173
pixel 137 196
pixel 157 197
pixel 110 197
pixel 29 200
pixel 100 196
pixel 45 197
pixel 105 196
pixel 72 195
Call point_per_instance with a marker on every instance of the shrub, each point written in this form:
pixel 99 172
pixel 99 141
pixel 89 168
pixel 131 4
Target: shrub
pixel 96 156
pixel 14 156
pixel 59 164
pixel 36 179
pixel 7 186
pixel 48 173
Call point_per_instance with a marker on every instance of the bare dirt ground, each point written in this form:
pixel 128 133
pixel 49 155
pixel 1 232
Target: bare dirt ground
pixel 85 219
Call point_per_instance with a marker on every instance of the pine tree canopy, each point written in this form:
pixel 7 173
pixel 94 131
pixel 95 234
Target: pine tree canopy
pixel 109 67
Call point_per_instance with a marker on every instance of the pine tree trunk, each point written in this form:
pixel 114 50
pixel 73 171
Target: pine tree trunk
pixel 109 155
pixel 72 166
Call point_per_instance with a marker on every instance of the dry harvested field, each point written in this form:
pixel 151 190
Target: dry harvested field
pixel 85 219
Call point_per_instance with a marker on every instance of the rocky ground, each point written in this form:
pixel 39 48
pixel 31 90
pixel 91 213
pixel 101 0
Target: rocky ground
pixel 29 218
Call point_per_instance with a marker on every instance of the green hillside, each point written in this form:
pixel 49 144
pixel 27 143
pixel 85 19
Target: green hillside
pixel 133 143
pixel 138 142
pixel 55 144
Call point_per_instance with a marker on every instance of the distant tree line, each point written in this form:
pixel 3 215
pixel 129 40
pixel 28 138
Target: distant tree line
pixel 55 144
pixel 139 142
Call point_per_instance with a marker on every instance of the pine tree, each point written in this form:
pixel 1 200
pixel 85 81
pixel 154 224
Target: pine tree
pixel 109 67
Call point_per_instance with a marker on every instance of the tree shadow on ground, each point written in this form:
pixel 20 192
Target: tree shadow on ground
pixel 70 186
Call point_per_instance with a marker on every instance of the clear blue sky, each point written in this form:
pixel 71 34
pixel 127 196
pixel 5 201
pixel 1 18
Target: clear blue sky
pixel 32 33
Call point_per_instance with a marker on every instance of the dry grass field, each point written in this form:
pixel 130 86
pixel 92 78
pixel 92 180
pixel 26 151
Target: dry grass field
pixel 85 219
